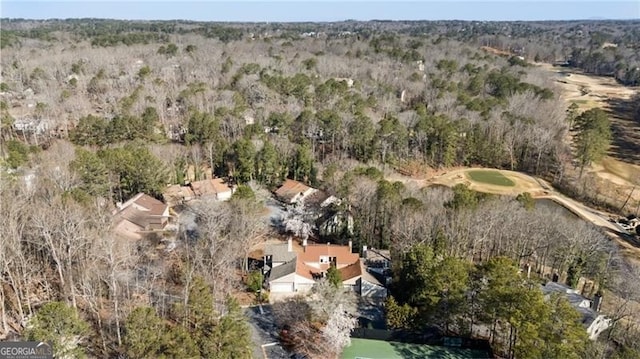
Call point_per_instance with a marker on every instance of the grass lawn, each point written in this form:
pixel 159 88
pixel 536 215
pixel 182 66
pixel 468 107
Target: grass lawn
pixel 490 177
pixel 623 170
pixel 378 349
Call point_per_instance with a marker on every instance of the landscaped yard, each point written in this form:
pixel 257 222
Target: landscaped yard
pixel 490 177
pixel 378 349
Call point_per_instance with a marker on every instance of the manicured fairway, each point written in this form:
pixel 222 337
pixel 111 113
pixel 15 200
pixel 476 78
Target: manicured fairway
pixel 490 177
pixel 378 349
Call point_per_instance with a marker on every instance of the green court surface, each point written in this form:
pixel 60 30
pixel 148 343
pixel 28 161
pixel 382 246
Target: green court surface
pixel 490 177
pixel 378 349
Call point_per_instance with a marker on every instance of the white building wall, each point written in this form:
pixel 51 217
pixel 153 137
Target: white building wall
pixel 598 326
pixel 224 196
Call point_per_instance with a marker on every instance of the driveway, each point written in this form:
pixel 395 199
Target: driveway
pixel 371 313
pixel 264 334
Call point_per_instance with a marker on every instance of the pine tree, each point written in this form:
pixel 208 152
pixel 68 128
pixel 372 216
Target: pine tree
pixel 334 277
pixel 593 138
pixel 232 336
pixel 144 331
pixel 59 324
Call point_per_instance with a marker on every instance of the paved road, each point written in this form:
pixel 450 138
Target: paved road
pixel 265 333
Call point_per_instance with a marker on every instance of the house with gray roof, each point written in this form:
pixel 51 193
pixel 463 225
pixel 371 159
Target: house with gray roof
pixel 278 254
pixel 594 322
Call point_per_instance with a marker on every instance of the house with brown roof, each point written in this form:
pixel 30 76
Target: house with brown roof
pixel 210 188
pixel 356 277
pixel 321 256
pixel 293 191
pixel 140 215
pixel 300 273
pixel 177 194
pixel 214 187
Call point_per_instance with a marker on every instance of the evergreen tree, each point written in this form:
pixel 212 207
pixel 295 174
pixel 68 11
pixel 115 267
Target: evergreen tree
pixel 243 160
pixel 361 136
pixel 593 138
pixel 399 316
pixel 144 331
pixel 563 335
pixel 59 324
pixel 92 172
pixel 202 128
pixel 232 336
pixel 91 130
pixel 178 343
pixel 303 168
pixel 135 170
pixel 268 169
pixel 334 277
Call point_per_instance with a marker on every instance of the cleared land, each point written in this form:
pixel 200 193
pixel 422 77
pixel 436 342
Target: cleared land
pixel 376 349
pixel 588 91
pixel 490 177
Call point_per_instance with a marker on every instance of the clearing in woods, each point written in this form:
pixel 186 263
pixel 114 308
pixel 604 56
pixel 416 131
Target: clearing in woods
pixel 490 177
pixel 617 176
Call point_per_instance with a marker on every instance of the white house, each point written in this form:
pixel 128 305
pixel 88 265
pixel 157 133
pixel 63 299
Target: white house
pixel 293 276
pixel 594 322
pixel 290 272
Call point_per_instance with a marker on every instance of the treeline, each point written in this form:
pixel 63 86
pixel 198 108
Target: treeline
pixel 496 120
pixel 106 33
pixel 492 298
pixel 190 330
pixel 129 39
pixel 600 47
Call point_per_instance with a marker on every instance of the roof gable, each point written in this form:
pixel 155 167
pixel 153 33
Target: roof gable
pixel 351 271
pixel 209 187
pixel 283 270
pixel 343 254
pixel 279 252
pixel 290 189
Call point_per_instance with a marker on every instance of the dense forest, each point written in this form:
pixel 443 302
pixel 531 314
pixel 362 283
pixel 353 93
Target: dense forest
pixel 96 111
